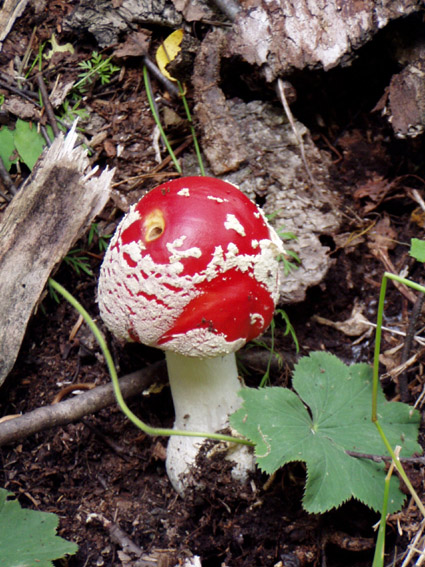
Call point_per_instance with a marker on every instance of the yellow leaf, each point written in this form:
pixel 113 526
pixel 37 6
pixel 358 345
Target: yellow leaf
pixel 168 51
pixel 56 48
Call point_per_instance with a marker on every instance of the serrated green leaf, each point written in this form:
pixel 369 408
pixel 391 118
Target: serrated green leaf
pixel 28 537
pixel 330 416
pixel 417 249
pixel 28 142
pixel 7 147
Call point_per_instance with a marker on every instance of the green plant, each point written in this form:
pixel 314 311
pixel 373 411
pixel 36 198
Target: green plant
pixel 289 330
pixel 95 68
pixel 70 110
pixel 157 119
pixel 166 53
pixel 325 420
pixel 78 262
pixel 28 537
pixel 290 260
pixel 23 143
pixel 330 414
pixel 102 239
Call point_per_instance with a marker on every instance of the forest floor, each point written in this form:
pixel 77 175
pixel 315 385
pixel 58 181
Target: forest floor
pixel 103 465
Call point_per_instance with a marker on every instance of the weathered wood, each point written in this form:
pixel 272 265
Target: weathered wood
pixel 51 211
pixel 221 141
pixel 283 35
pixel 11 10
pixel 107 20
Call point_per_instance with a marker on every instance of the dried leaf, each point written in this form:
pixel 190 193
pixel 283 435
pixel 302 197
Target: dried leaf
pixel 374 192
pixel 354 326
pixel 382 237
pixel 136 45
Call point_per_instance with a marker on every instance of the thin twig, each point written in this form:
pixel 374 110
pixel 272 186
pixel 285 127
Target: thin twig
pixel 417 338
pixel 384 458
pixel 7 180
pixel 47 104
pixel 74 409
pixel 282 96
pixel 155 115
pixel 412 547
pixel 403 383
pixel 129 547
pixel 169 85
pixel 20 92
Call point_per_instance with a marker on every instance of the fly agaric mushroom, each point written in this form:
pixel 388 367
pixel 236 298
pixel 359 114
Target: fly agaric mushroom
pixel 192 269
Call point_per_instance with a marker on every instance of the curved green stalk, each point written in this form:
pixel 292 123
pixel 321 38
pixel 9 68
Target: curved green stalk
pixel 157 120
pixel 388 276
pixel 113 373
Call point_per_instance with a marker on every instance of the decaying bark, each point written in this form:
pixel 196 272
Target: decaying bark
pixel 253 146
pixel 106 22
pixel 221 141
pixel 274 170
pixel 406 100
pixel 51 211
pixel 11 9
pixel 283 35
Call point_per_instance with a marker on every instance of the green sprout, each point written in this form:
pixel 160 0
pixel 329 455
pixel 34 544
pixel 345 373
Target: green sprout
pixel 289 330
pixel 290 259
pixel 102 239
pixel 71 110
pixel 95 68
pixel 78 262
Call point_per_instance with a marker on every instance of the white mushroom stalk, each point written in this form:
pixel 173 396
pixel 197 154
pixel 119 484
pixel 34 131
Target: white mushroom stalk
pixel 193 269
pixel 205 393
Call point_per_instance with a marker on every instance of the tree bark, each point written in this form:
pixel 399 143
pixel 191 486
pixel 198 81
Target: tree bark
pixel 283 35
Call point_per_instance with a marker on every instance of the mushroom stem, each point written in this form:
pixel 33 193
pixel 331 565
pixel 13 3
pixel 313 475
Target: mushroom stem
pixel 205 393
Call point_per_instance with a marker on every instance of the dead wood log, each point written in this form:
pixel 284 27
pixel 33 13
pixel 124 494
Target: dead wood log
pixel 107 20
pixel 11 10
pixel 52 210
pixel 77 407
pixel 221 142
pixel 283 35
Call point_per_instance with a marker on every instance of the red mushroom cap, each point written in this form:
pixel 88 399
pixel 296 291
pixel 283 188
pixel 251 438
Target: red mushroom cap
pixel 191 268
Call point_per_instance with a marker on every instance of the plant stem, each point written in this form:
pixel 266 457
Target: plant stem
pixel 157 120
pixel 388 276
pixel 192 129
pixel 113 373
pixel 378 559
pixel 378 337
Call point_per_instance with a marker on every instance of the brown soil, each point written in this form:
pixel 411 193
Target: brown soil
pixel 103 465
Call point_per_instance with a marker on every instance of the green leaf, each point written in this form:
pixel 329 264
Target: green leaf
pixel 28 142
pixel 28 537
pixel 330 415
pixel 7 147
pixel 417 249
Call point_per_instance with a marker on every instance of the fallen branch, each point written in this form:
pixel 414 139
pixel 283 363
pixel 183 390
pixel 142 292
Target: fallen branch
pixel 54 208
pixel 73 409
